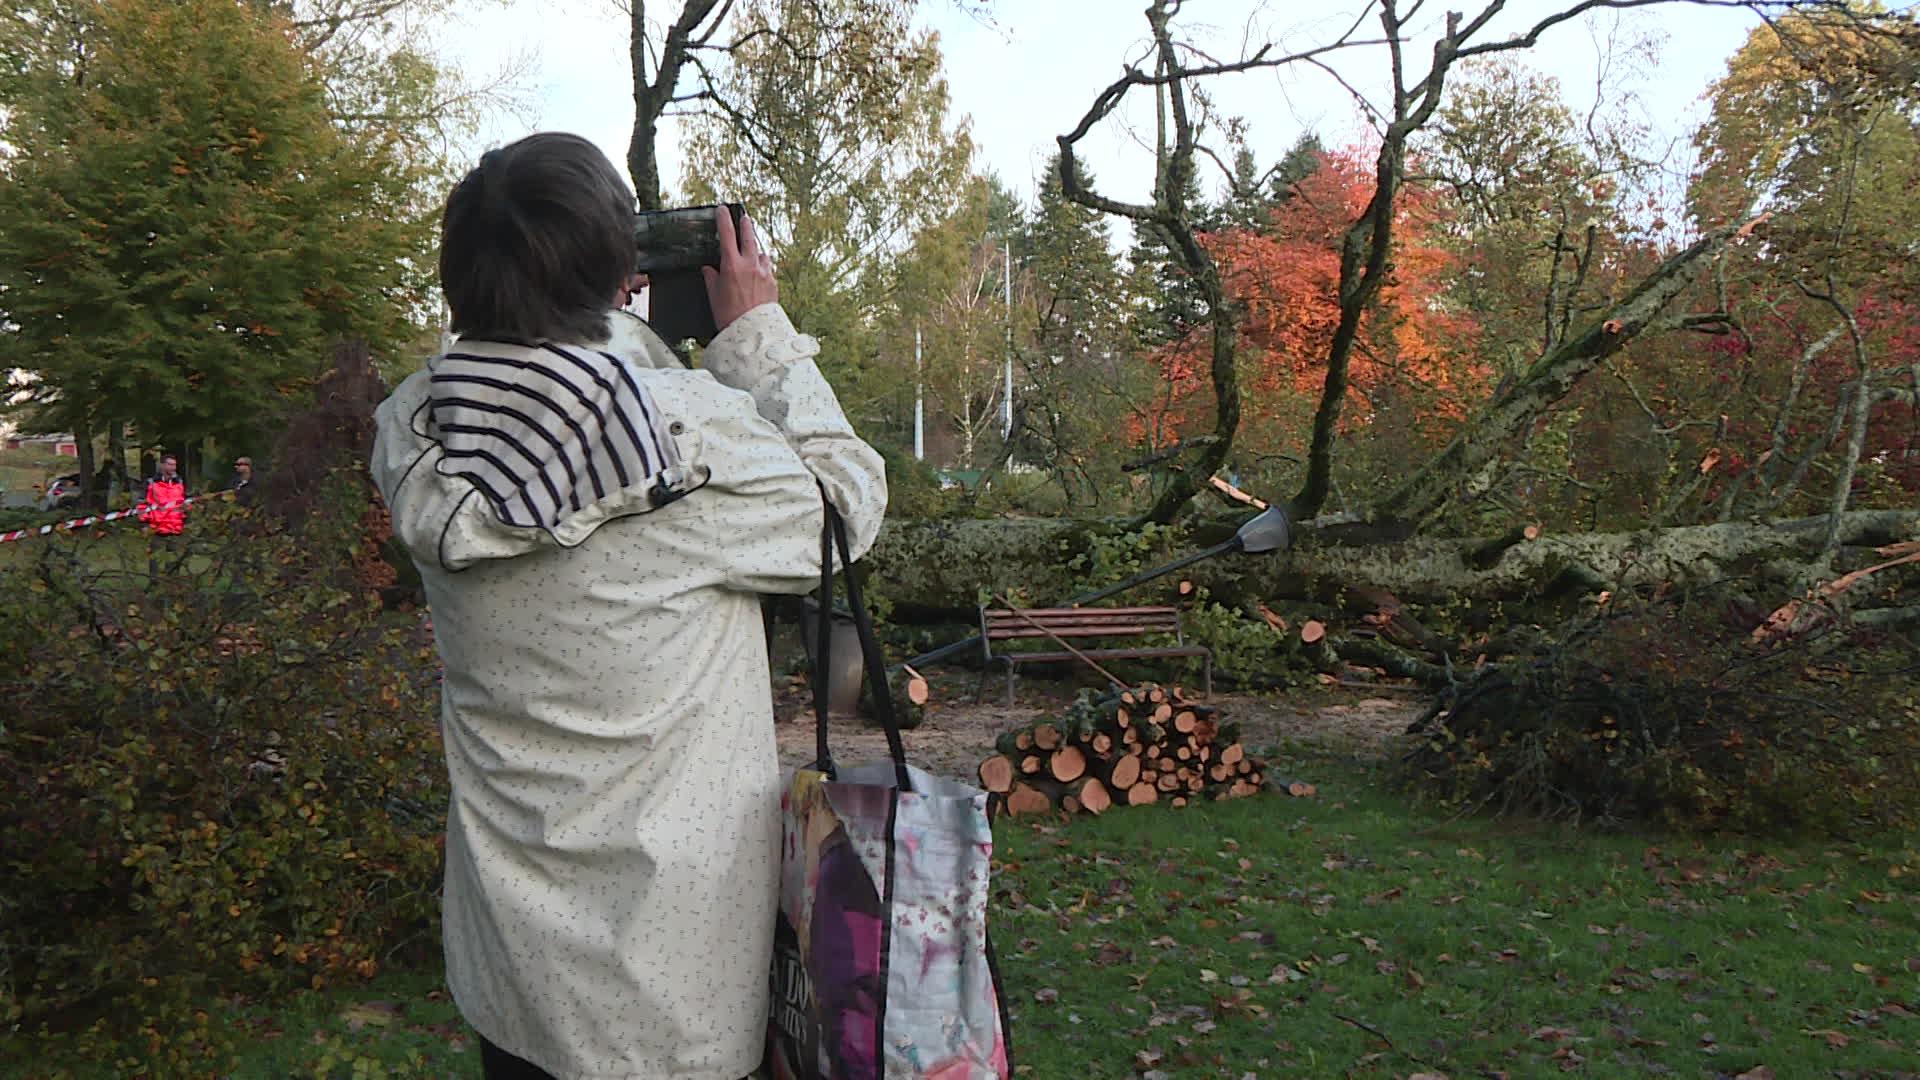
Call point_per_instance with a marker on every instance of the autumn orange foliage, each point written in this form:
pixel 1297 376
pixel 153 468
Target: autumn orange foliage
pixel 1286 280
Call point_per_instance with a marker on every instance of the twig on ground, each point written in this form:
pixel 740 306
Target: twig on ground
pixel 1382 1036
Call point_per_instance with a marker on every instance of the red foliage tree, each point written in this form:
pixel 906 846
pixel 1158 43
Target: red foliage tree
pixel 1415 355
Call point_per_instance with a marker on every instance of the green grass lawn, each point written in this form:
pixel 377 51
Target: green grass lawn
pixel 1346 936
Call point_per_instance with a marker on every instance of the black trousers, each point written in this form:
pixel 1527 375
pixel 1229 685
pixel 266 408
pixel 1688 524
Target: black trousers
pixel 497 1064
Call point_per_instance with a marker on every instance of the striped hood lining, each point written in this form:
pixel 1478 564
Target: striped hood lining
pixel 543 431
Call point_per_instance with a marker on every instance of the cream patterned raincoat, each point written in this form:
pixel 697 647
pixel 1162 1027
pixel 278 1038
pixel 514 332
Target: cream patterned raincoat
pixel 592 525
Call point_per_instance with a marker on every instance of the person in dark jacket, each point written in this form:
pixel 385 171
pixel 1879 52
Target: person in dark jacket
pixel 244 489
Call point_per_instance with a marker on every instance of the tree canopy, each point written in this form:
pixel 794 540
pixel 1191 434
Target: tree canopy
pixel 184 223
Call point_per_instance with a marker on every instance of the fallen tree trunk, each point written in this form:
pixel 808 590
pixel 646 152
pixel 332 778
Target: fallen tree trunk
pixel 937 569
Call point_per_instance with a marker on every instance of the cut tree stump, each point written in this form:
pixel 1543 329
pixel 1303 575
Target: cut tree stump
pixel 917 691
pixel 1067 764
pixel 1094 797
pixel 1026 801
pixel 996 774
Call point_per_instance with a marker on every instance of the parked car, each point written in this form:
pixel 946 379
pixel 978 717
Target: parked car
pixel 62 491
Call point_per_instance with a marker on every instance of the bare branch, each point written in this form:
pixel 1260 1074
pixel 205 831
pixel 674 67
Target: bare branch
pixel 1531 37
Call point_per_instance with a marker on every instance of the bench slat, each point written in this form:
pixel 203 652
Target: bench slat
pixel 1015 630
pixel 1104 654
pixel 1043 613
pixel 996 620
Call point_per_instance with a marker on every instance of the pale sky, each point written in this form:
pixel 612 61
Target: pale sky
pixel 1028 73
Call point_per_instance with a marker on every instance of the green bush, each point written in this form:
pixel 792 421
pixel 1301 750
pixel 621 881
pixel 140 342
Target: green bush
pixel 222 778
pixel 1666 711
pixel 1243 647
pixel 913 489
pixel 29 518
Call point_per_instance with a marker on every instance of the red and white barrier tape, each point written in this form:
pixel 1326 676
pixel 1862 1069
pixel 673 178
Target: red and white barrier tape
pixel 98 519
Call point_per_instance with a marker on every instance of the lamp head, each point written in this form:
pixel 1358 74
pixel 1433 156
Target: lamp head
pixel 1269 530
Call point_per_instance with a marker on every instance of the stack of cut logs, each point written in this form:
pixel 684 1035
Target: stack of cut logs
pixel 1147 745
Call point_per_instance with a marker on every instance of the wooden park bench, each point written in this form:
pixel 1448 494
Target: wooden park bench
pixel 1000 627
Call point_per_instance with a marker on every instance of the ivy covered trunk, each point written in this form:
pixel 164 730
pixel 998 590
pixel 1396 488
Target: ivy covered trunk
pixel 932 571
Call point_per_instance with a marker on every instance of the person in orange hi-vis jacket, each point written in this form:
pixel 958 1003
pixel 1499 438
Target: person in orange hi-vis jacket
pixel 163 509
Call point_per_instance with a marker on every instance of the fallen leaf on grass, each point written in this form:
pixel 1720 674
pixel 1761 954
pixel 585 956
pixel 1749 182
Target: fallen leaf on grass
pixel 1838 1040
pixel 1428 1076
pixel 377 1013
pixel 1758 1072
pixel 1241 1002
pixel 1047 996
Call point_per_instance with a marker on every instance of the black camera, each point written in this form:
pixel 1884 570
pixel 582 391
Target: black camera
pixel 674 245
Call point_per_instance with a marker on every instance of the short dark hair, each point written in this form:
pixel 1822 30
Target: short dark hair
pixel 535 242
pixel 164 458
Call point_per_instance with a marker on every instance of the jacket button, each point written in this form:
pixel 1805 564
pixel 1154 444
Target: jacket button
pixel 676 428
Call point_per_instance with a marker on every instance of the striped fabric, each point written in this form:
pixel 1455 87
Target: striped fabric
pixel 544 430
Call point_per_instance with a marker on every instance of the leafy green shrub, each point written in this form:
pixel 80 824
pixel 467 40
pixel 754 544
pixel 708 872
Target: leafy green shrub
pixel 913 489
pixel 29 518
pixel 1666 711
pixel 1242 646
pixel 221 778
pixel 1114 556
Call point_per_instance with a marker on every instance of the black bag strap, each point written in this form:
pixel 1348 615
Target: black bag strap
pixel 833 535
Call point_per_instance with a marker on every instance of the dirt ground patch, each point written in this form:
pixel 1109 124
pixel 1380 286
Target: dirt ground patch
pixel 958 733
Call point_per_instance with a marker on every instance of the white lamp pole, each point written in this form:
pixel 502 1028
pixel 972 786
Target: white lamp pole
pixel 1006 399
pixel 919 403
